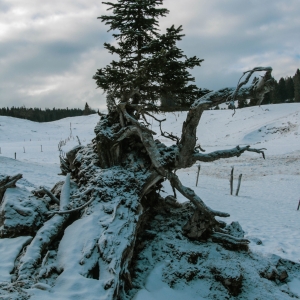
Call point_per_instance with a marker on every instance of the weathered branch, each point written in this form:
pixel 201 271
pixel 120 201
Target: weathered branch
pixel 268 71
pixel 44 236
pixel 190 194
pixel 237 151
pixel 229 241
pixel 8 182
pixel 255 91
pixel 169 135
pixel 188 135
pixel 132 120
pixel 47 192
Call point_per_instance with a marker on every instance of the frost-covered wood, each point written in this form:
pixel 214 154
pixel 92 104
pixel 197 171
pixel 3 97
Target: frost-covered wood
pixel 118 178
pixel 44 237
pixel 21 213
pixel 7 182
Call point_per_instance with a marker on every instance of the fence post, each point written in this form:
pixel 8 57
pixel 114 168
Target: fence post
pixel 231 180
pixel 239 184
pixel 15 155
pixel 298 205
pixel 198 172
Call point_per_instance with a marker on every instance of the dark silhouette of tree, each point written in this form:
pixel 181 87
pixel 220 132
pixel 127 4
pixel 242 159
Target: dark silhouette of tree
pixel 282 90
pixel 87 110
pixel 47 115
pixel 289 87
pixel 296 80
pixel 150 66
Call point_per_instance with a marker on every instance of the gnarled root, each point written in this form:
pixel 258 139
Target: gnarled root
pixel 8 182
pixel 230 242
pixel 43 238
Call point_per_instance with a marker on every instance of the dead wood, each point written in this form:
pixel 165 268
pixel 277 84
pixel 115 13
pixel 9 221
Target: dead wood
pixel 48 193
pixel 8 182
pixel 122 169
pixel 43 238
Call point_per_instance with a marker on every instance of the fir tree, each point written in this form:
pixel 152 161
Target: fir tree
pixel 242 103
pixel 296 80
pixel 87 110
pixel 275 95
pixel 282 90
pixel 150 66
pixel 289 86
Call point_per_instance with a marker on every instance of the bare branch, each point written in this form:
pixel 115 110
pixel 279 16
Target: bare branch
pixel 133 121
pixel 169 135
pixel 237 151
pixel 240 84
pixel 52 197
pixel 190 194
pixel 188 135
pixel 8 182
pixel 226 238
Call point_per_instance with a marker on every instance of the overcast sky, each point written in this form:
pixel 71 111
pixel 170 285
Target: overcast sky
pixel 49 50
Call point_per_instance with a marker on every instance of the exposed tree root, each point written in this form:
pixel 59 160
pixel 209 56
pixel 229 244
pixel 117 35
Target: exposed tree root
pixel 8 182
pixel 44 237
pixel 121 172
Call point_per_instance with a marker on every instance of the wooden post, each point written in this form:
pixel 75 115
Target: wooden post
pixel 24 149
pixel 198 172
pixel 41 148
pixel 15 155
pixel 231 180
pixel 239 184
pixel 298 205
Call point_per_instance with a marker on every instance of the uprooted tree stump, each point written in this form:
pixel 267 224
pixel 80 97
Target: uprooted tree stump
pixel 92 230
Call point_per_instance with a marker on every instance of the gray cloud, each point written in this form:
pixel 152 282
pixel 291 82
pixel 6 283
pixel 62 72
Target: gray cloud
pixel 49 51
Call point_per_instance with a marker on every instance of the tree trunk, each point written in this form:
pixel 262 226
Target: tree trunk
pixel 118 176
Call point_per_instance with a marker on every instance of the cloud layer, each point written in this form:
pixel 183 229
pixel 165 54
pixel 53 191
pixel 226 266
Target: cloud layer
pixel 49 51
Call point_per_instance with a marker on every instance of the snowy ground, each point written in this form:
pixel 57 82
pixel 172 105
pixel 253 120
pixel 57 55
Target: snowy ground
pixel 270 189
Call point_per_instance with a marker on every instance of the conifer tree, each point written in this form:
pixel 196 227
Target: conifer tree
pixel 296 80
pixel 150 66
pixel 275 95
pixel 289 86
pixel 282 90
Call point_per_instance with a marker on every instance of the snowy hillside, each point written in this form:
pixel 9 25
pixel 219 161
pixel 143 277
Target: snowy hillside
pixel 268 197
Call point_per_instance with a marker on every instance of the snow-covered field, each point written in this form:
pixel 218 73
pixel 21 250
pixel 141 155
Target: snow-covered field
pixel 270 188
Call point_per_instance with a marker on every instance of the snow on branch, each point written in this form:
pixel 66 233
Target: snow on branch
pixel 189 129
pixel 237 151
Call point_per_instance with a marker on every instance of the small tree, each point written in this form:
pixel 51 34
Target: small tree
pixel 87 110
pixel 150 65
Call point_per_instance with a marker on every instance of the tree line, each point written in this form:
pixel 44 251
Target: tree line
pixel 286 90
pixel 46 115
